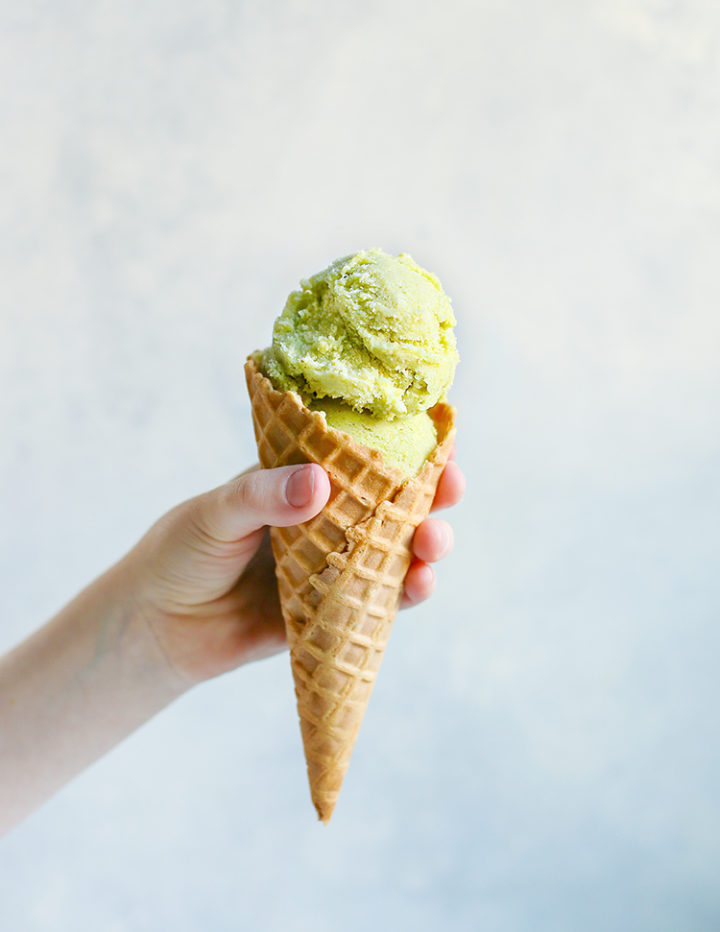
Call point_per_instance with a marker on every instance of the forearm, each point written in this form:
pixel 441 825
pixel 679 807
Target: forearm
pixel 74 690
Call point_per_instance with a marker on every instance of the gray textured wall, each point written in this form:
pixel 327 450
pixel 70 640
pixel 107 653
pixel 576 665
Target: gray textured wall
pixel 541 751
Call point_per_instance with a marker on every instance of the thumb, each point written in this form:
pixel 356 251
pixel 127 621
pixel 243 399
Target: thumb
pixel 278 497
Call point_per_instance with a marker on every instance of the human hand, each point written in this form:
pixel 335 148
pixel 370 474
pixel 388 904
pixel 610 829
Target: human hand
pixel 203 577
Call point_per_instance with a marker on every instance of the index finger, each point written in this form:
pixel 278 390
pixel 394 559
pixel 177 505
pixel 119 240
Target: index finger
pixel 450 487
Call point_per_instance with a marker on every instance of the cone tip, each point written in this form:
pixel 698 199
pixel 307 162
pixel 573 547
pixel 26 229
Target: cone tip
pixel 324 810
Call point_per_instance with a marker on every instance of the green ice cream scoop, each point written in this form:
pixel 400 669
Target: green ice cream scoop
pixel 404 443
pixel 372 330
pixel 369 340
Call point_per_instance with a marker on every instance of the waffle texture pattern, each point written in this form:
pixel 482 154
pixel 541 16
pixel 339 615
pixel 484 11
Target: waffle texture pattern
pixel 340 575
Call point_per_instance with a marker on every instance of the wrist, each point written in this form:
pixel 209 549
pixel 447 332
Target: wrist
pixel 132 635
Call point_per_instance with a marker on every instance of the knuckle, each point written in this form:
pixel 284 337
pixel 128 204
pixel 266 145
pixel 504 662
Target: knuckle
pixel 245 492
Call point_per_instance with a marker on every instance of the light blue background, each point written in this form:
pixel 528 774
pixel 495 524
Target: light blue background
pixel 541 751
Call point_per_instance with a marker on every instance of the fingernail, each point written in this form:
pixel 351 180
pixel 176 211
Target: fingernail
pixel 299 487
pixel 446 540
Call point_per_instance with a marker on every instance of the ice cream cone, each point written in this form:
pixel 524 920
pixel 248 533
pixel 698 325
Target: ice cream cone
pixel 340 575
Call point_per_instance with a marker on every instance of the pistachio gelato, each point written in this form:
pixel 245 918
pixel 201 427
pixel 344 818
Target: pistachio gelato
pixel 370 341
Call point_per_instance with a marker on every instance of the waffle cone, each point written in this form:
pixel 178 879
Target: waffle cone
pixel 340 575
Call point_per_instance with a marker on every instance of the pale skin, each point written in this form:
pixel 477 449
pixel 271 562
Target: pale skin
pixel 195 598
